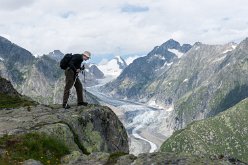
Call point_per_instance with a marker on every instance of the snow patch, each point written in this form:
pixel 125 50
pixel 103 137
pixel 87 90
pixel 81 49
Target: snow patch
pixel 234 46
pixel 165 65
pixel 1 59
pixel 176 52
pixel 110 68
pixel 230 49
pixel 186 80
pixel 219 59
pixel 129 60
pixel 153 103
pixel 169 109
pixel 159 56
pixel 196 48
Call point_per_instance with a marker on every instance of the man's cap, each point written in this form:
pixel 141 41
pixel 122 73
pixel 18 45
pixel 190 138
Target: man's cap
pixel 87 54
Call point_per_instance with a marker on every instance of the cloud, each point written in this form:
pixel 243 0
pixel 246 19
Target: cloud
pixel 67 14
pixel 127 8
pixel 14 4
pixel 119 26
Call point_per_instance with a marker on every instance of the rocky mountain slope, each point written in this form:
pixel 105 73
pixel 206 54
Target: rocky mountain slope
pixel 225 134
pixel 203 82
pixel 143 70
pixel 15 61
pixel 84 129
pixel 208 80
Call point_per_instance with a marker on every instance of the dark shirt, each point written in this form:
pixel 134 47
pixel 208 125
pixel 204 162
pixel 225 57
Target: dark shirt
pixel 76 62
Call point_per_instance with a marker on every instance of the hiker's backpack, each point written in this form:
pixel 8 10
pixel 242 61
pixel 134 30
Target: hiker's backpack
pixel 64 63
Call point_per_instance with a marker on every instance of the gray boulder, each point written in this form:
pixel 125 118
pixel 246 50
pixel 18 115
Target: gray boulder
pixel 86 129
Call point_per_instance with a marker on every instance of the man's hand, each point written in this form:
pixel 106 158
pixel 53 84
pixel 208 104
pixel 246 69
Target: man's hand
pixel 78 70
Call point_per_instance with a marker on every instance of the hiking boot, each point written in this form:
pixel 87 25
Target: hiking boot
pixel 66 106
pixel 82 103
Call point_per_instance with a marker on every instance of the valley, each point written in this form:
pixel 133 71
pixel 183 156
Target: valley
pixel 146 126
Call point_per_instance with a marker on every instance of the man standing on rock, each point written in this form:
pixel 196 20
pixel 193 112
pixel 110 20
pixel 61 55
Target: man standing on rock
pixel 71 77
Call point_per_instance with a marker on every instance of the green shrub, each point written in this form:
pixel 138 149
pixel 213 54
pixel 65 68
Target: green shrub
pixel 7 101
pixel 18 148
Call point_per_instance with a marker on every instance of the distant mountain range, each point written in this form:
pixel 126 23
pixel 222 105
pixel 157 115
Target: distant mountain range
pixel 199 82
pixel 41 77
pixel 113 67
pixel 144 70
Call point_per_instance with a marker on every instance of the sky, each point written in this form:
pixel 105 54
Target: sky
pixel 108 28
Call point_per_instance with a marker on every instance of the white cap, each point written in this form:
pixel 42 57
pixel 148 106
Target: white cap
pixel 87 54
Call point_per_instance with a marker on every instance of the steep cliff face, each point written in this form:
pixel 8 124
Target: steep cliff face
pixel 13 53
pixel 225 134
pixel 15 59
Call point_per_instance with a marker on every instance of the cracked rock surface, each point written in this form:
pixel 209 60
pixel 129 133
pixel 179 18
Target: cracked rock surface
pixel 86 129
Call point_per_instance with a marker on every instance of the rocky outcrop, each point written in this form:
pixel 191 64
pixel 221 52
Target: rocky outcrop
pixel 147 159
pixel 85 129
pixel 177 159
pixel 225 134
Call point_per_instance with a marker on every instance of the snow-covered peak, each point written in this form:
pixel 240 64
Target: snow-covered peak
pixel 118 58
pixel 121 62
pixel 176 52
pixel 230 47
pixel 1 59
pixel 130 59
pixel 113 67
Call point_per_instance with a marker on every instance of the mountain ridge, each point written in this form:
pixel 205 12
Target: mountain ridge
pixel 224 134
pixel 143 69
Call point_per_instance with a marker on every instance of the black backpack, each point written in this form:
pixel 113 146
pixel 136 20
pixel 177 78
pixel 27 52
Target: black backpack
pixel 65 61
